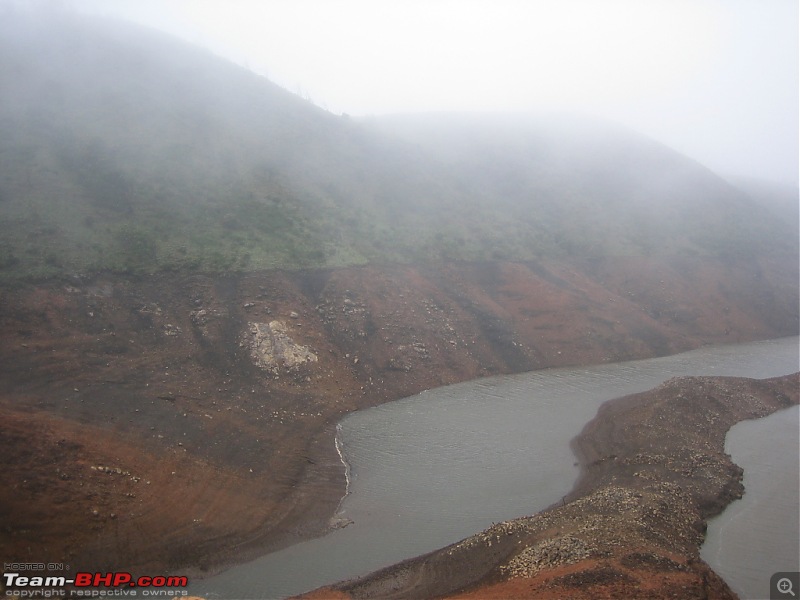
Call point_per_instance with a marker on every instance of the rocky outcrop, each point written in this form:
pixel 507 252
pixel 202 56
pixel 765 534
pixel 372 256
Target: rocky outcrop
pixel 272 349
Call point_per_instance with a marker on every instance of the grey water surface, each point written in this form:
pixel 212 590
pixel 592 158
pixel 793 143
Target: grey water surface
pixel 431 469
pixel 760 534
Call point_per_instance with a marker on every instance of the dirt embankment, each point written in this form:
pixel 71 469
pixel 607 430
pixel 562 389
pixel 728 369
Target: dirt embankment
pixel 654 470
pixel 177 422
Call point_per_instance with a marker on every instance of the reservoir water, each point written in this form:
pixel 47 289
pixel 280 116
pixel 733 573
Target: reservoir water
pixel 434 468
pixel 760 534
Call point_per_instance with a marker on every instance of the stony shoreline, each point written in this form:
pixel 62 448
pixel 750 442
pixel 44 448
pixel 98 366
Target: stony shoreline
pixel 654 471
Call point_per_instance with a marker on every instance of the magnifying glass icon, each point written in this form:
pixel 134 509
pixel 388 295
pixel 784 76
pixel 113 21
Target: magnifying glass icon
pixel 784 586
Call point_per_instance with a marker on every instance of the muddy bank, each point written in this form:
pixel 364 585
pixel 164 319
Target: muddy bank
pixel 186 422
pixel 653 471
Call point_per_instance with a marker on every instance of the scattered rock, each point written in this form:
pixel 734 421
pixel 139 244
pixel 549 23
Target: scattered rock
pixel 340 522
pixel 199 317
pixel 172 330
pixel 547 554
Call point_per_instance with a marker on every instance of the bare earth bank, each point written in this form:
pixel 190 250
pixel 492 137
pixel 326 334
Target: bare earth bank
pixel 181 423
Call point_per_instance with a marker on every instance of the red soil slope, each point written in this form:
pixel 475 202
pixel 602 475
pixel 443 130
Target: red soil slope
pixel 138 432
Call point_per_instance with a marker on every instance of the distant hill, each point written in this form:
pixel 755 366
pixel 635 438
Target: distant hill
pixel 783 200
pixel 597 188
pixel 124 150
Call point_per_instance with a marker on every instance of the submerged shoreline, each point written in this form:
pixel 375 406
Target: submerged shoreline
pixel 318 495
pixel 337 520
pixel 653 470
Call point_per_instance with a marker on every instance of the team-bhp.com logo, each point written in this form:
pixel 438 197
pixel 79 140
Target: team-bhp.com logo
pixel 84 584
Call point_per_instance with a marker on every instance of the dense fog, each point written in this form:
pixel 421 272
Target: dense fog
pixel 715 80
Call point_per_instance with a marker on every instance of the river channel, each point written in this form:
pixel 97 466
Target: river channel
pixel 760 534
pixel 434 468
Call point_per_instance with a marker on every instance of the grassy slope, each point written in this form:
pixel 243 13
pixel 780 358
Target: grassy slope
pixel 124 150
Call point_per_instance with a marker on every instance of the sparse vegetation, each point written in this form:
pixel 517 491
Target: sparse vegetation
pixel 181 161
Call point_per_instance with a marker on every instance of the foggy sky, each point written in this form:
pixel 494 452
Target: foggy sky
pixel 714 79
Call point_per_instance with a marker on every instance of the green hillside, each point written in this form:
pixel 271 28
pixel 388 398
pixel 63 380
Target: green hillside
pixel 124 150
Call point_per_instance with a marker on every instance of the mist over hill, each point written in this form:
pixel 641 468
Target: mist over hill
pixel 124 150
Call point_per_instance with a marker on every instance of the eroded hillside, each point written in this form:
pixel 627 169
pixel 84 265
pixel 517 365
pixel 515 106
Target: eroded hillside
pixel 188 421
